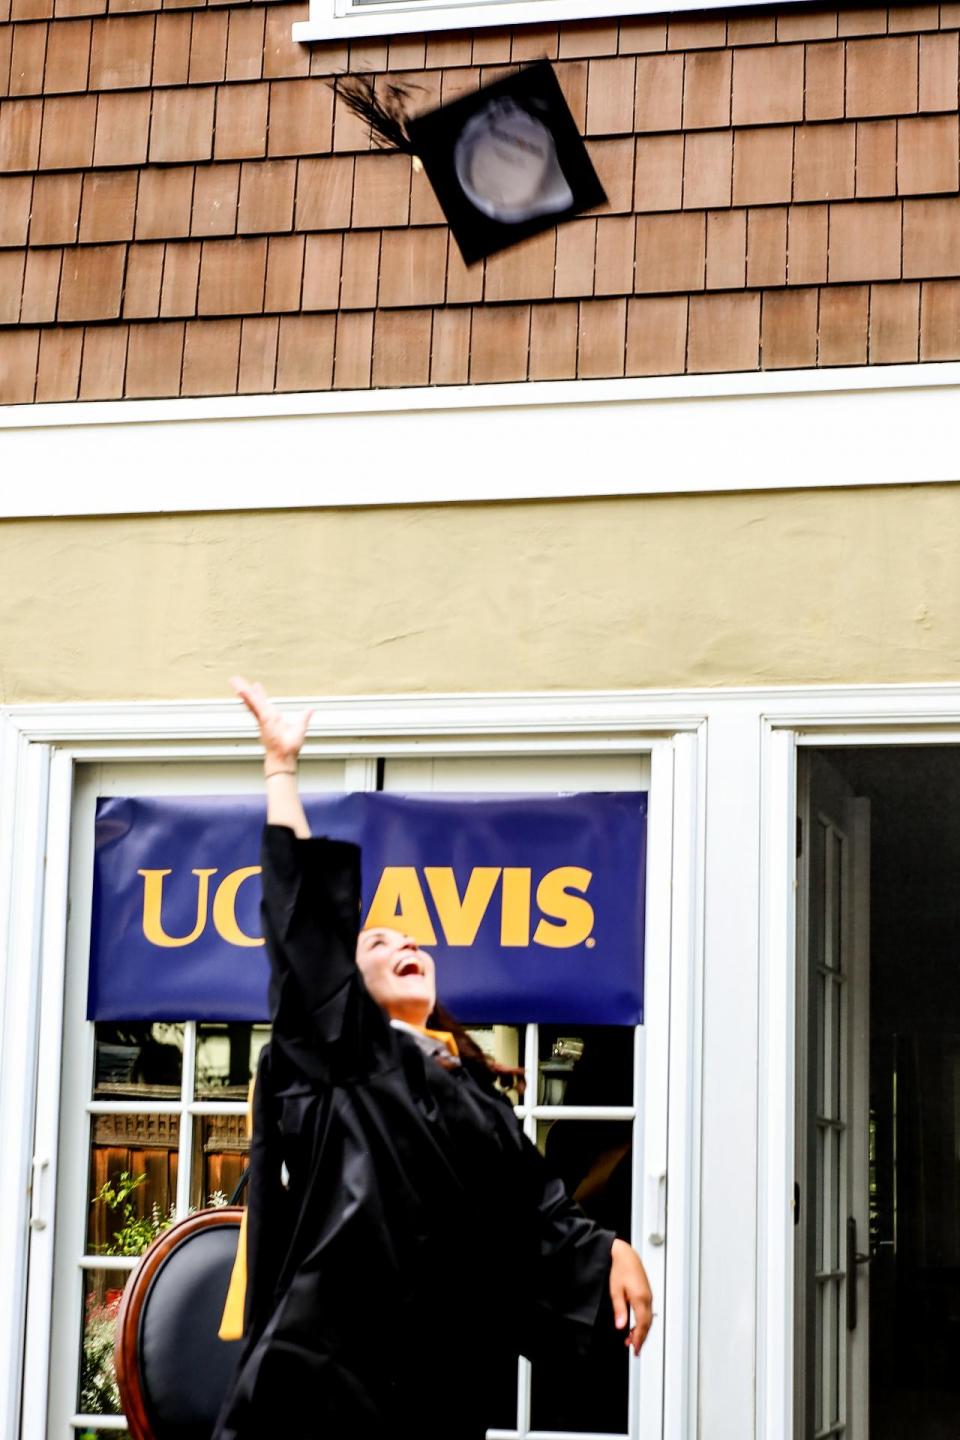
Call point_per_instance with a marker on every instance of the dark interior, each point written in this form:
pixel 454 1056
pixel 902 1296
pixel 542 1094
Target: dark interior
pixel 914 1087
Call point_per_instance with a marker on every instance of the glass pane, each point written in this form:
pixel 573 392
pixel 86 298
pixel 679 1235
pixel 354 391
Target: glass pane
pixel 137 1061
pixel 839 1050
pixel 227 1059
pixel 586 1065
pixel 829 1032
pixel 220 1149
pixel 593 1159
pixel 834 1291
pixel 817 892
pixel 839 844
pixel 502 1046
pixel 588 1394
pixel 818 1192
pixel 837 1224
pixel 818 1361
pixel 133 1181
pixel 98 1393
pixel 839 1004
pixel 499 1396
pixel 820 1023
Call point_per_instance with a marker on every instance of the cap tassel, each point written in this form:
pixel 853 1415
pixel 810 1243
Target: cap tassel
pixel 385 112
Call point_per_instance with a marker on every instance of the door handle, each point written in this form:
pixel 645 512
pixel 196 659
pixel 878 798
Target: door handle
pixel 656 1207
pixel 854 1259
pixel 38 1198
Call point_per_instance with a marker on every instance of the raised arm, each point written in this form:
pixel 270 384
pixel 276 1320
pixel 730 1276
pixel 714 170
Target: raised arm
pixel 323 1018
pixel 282 738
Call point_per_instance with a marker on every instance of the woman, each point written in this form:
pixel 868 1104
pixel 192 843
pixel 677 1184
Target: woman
pixel 403 1233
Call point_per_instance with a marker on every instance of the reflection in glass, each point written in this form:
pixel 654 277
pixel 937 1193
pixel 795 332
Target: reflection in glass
pixel 838 1007
pixel 220 1150
pixel 137 1061
pixel 501 1046
pixel 818 1361
pixel 821 1039
pixel 133 1181
pixel 839 1167
pixel 227 1056
pixel 586 1065
pixel 820 1259
pixel 593 1158
pixel 832 1349
pixel 836 940
pixel 102 1291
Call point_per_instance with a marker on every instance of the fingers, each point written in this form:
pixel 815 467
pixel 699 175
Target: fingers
pixel 281 735
pixel 253 696
pixel 304 725
pixel 643 1319
pixel 244 690
pixel 636 1338
pixel 631 1293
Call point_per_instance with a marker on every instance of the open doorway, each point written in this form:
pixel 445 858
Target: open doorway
pixel 878 1109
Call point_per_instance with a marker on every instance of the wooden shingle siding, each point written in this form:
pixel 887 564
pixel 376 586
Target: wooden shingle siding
pixel 188 208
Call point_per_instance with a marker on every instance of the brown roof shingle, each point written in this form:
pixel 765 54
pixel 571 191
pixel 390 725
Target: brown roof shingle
pixel 783 190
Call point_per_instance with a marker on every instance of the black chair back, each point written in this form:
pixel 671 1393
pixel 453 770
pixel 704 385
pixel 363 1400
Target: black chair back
pixel 173 1370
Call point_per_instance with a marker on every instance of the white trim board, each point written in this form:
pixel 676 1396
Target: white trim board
pixel 347 19
pixel 393 724
pixel 797 429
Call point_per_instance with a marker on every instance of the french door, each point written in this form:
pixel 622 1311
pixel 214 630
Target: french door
pixel 833 1076
pixel 162 1105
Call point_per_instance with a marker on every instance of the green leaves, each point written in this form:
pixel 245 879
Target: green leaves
pixel 136 1232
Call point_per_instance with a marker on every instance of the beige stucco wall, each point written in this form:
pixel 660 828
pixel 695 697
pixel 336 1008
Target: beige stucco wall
pixel 778 588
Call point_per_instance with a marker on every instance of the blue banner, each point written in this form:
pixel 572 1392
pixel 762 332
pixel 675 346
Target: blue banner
pixel 532 906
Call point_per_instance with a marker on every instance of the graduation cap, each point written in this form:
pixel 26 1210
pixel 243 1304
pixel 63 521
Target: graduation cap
pixel 505 162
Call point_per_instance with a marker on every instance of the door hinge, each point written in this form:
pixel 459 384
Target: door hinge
pixel 799 836
pixel 796 1203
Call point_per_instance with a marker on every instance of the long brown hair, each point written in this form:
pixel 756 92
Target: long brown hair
pixel 441 1019
pixel 487 1071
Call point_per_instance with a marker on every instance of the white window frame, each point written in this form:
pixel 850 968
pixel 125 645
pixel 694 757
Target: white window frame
pixel 348 19
pixel 40 749
pixel 535 440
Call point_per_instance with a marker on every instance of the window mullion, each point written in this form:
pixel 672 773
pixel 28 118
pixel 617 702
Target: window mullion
pixel 531 1074
pixel 187 1092
pixel 574 1112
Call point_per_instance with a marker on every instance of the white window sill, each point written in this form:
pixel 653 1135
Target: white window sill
pixel 345 20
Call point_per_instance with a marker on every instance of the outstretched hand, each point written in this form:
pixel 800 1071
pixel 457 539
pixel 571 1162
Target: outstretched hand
pixel 282 735
pixel 630 1290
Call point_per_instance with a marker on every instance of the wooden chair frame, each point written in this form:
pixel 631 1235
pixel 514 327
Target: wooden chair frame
pixel 127 1347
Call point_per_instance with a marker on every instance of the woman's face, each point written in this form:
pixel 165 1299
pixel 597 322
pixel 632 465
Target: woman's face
pixel 399 975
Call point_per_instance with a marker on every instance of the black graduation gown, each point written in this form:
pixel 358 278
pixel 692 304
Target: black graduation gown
pixel 421 1236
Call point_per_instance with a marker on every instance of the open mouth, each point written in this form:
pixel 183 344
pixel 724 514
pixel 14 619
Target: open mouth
pixel 407 967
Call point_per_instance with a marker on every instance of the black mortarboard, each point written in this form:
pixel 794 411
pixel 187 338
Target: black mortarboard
pixel 506 161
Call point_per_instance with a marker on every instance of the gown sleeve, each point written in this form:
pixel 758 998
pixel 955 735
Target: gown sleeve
pixel 324 1020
